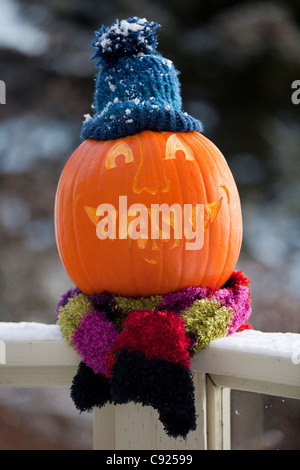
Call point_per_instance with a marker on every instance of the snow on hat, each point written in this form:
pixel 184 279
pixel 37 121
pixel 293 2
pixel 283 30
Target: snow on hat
pixel 136 87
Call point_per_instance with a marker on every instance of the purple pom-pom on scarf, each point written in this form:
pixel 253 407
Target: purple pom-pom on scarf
pixel 104 302
pixel 94 340
pixel 239 301
pixel 182 299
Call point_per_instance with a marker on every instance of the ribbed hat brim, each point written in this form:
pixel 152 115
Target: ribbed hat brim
pixel 146 117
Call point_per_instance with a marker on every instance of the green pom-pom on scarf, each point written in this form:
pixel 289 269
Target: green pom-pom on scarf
pixel 70 315
pixel 209 319
pixel 124 305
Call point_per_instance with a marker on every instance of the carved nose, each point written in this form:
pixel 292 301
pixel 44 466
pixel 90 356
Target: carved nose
pixel 141 184
pixel 149 179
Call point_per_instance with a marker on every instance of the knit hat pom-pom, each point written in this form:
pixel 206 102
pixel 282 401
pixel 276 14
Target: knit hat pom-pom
pixel 132 36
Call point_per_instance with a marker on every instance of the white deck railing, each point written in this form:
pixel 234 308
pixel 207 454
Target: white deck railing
pixel 33 354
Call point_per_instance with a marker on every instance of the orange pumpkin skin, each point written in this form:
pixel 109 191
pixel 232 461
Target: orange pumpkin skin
pixel 149 168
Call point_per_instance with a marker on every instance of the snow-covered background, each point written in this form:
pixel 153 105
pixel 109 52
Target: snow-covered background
pixel 237 65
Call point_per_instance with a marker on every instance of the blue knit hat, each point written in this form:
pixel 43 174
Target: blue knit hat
pixel 136 87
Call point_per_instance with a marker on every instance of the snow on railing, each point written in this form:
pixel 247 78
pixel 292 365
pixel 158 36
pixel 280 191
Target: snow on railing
pixel 34 354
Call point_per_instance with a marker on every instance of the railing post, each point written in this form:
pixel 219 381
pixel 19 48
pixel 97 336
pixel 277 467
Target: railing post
pixel 133 426
pixel 104 428
pixel 218 416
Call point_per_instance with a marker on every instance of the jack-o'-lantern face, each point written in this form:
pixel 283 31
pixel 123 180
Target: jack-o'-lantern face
pixel 148 214
pixel 121 154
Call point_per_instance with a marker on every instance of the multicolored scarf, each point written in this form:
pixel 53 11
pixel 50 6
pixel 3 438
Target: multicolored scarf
pixel 140 349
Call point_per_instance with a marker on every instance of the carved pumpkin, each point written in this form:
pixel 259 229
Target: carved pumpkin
pixel 148 168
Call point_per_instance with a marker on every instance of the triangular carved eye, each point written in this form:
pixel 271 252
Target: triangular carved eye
pixel 120 148
pixel 175 143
